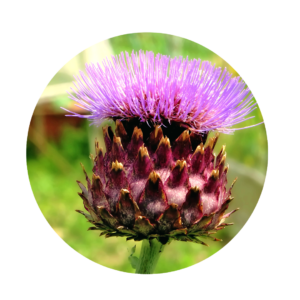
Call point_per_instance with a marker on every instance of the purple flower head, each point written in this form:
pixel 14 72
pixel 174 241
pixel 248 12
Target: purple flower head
pixel 158 88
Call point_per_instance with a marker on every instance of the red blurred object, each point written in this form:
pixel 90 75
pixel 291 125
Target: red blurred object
pixel 48 121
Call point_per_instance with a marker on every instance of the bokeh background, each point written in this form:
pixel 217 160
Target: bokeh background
pixel 56 145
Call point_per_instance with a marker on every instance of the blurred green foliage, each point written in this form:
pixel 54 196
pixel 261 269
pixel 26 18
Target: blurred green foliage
pixel 54 169
pixel 165 44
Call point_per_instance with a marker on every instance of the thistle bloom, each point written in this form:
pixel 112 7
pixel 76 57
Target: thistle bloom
pixel 160 89
pixel 159 179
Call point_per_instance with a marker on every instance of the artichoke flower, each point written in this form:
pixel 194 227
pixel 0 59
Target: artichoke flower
pixel 159 179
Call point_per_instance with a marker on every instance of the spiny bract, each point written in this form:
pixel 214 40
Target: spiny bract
pixel 149 186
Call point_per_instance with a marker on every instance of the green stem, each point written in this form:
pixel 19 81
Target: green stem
pixel 150 253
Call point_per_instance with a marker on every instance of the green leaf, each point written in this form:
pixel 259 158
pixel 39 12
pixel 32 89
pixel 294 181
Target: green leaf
pixel 132 250
pixel 133 259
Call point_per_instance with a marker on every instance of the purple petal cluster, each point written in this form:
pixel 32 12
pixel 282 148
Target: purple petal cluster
pixel 158 88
